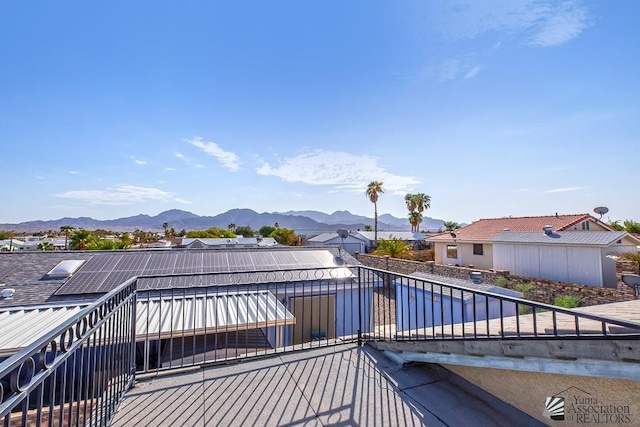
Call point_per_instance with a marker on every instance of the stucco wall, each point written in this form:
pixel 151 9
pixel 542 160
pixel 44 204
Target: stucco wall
pixel 528 392
pixel 544 291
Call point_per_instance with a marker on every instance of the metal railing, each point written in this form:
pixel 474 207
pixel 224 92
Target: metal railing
pixel 414 308
pixel 77 373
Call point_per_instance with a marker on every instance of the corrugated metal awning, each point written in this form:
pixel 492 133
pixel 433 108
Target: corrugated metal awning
pixel 200 314
pixel 19 327
pixel 166 317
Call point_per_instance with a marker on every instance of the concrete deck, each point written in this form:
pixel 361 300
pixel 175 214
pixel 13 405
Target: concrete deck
pixel 343 385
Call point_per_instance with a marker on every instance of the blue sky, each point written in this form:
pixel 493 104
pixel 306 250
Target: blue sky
pixel 493 108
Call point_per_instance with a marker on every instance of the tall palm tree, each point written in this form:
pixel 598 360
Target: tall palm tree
pixel 66 229
pixel 165 225
pixel 374 189
pixel 415 218
pixel 416 204
pixel 422 202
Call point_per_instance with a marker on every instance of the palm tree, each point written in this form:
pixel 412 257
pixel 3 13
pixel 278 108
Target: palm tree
pixel 394 247
pixel 66 229
pixel 415 218
pixel 422 202
pixel 374 189
pixel 165 225
pixel 416 204
pixel 450 225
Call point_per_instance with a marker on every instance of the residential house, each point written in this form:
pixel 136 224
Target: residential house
pixel 570 248
pixel 227 242
pixel 583 257
pixel 353 243
pixel 471 246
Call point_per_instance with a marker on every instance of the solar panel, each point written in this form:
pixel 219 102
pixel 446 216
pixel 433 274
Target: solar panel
pixel 102 262
pixel 105 271
pixel 83 283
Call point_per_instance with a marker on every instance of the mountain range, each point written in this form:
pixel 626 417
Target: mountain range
pixel 304 222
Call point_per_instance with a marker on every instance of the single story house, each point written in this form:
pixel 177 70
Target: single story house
pixel 230 242
pixel 472 245
pixel 583 257
pixel 351 244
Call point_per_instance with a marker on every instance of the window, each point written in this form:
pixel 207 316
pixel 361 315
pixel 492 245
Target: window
pixel 478 249
pixel 585 225
pixel 452 251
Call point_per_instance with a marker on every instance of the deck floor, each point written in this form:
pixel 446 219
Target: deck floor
pixel 343 385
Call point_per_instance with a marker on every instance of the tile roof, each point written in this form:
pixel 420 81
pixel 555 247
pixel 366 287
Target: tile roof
pixel 591 238
pixel 486 229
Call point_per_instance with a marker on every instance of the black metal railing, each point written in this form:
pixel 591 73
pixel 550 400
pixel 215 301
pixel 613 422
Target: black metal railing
pixel 247 314
pixel 77 373
pixel 415 308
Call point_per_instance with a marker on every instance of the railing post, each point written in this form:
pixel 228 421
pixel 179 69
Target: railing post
pixel 132 355
pixel 359 306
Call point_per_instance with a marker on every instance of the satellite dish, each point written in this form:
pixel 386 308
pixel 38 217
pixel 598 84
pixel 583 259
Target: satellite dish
pixel 343 233
pixel 601 210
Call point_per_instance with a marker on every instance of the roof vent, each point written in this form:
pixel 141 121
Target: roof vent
pixel 65 268
pixel 8 293
pixel 547 229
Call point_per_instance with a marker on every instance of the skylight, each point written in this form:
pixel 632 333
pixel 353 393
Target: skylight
pixel 65 268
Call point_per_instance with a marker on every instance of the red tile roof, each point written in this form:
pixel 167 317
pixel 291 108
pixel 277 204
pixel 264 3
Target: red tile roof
pixel 485 229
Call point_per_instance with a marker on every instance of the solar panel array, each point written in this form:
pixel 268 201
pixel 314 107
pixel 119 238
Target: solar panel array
pixel 105 271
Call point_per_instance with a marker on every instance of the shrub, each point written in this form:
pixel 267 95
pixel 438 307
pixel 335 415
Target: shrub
pixel 501 281
pixel 525 289
pixel 394 247
pixel 568 301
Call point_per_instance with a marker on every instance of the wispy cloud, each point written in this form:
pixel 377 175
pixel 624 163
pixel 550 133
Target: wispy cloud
pixel 228 159
pixel 452 69
pixel 472 72
pixel 343 171
pixel 121 195
pixel 138 161
pixel 564 189
pixel 536 22
pixel 73 172
pixel 170 169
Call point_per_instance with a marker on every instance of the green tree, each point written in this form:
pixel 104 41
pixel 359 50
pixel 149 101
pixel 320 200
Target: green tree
pixel 165 226
pixel 286 236
pixel 374 189
pixel 231 227
pixel 367 228
pixel 210 233
pixel 394 247
pixel 46 246
pixel 417 204
pixel 244 231
pixel 66 229
pixel 451 225
pixel 81 239
pixel 631 226
pixel 266 230
pixel 415 218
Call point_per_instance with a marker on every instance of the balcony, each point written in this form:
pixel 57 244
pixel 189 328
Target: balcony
pixel 296 341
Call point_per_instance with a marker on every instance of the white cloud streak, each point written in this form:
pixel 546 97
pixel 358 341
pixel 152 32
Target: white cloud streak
pixel 564 189
pixel 472 72
pixel 540 23
pixel 228 159
pixel 121 195
pixel 343 171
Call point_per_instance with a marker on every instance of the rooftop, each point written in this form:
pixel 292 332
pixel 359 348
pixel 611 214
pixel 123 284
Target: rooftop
pixel 485 229
pixel 344 385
